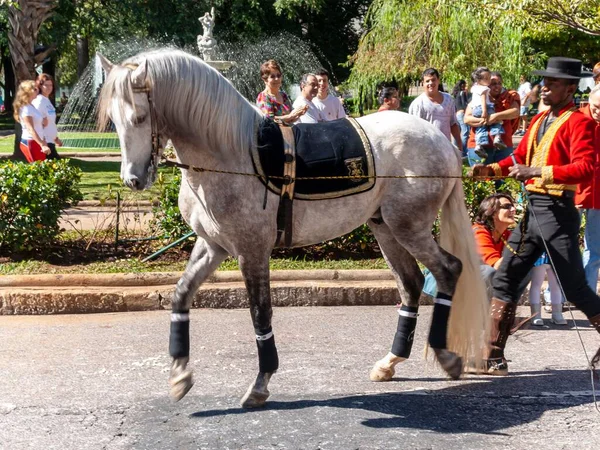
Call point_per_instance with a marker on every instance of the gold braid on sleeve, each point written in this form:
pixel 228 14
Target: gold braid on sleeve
pixel 547 175
pixel 496 168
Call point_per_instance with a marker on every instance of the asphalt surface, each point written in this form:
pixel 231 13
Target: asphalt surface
pixel 100 382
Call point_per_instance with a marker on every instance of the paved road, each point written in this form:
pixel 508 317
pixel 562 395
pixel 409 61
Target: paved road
pixel 100 382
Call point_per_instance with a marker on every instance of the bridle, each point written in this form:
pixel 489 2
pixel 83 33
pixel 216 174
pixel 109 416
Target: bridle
pixel 157 148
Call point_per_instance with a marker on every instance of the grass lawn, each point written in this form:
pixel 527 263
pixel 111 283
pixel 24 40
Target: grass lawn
pixel 7 142
pixel 134 265
pixel 99 175
pixel 7 121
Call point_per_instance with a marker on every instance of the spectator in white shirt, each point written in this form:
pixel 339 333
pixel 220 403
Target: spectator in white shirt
pixel 43 104
pixel 308 91
pixel 524 93
pixel 330 106
pixel 32 145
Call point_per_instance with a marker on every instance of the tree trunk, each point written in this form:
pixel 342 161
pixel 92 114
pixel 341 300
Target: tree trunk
pixel 9 83
pixel 83 54
pixel 25 21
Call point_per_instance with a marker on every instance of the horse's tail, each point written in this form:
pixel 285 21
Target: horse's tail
pixel 469 313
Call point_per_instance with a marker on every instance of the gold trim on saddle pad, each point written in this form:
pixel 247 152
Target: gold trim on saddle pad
pixel 355 170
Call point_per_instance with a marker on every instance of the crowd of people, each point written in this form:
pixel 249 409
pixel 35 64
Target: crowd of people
pixel 557 160
pixel 314 104
pixel 35 112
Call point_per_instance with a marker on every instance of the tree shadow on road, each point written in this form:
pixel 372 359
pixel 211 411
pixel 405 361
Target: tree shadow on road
pixel 487 405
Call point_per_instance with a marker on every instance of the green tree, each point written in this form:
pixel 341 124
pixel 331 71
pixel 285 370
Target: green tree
pixel 404 37
pixel 579 15
pixel 25 18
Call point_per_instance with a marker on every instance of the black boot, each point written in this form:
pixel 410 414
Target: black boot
pixel 502 315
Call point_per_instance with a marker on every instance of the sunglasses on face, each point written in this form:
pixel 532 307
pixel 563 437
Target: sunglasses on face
pixel 508 206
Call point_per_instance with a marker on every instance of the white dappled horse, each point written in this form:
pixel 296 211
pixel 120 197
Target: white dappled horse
pixel 169 94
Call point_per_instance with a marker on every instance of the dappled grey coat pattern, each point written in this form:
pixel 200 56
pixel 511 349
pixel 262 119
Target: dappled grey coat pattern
pixel 212 126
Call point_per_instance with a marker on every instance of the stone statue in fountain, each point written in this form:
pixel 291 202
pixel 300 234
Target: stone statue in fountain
pixel 206 42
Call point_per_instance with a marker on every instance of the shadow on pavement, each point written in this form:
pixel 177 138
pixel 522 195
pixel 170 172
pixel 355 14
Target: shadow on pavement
pixel 487 405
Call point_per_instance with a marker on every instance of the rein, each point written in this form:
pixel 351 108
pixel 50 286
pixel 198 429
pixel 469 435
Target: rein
pixel 169 163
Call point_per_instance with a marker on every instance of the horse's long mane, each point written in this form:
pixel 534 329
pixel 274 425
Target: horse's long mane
pixel 191 98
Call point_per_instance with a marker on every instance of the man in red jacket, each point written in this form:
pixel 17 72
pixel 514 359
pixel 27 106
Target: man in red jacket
pixel 555 155
pixel 588 199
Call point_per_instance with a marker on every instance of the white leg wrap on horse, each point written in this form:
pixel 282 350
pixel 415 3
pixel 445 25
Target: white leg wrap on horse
pixel 403 339
pixel 179 339
pixel 439 321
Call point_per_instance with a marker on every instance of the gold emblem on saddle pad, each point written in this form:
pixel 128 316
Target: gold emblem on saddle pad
pixel 355 169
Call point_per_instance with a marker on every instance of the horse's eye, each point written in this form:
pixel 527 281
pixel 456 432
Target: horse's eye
pixel 138 120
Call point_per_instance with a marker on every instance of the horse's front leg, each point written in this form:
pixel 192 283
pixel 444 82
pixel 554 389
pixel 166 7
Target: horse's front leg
pixel 256 275
pixel 204 260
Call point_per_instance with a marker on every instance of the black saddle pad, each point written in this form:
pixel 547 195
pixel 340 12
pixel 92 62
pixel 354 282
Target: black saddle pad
pixel 328 149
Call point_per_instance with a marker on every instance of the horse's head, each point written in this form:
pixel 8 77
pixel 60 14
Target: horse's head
pixel 125 99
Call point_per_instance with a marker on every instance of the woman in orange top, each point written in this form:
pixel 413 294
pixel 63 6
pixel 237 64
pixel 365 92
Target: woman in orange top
pixel 495 215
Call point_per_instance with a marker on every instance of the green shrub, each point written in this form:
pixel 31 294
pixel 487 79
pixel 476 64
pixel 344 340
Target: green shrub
pixel 32 197
pixel 167 217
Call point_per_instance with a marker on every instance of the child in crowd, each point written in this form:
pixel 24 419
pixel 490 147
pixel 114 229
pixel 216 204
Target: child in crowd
pixel 540 270
pixel 482 107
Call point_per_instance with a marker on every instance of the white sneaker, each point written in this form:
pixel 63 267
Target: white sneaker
pixel 536 312
pixel 557 315
pixel 499 143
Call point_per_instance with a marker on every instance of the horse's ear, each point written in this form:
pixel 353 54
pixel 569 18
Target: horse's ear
pixel 106 64
pixel 138 76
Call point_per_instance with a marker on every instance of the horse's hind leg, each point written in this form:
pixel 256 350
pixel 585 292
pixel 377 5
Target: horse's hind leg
pixel 255 270
pixel 205 258
pixel 446 269
pixel 409 279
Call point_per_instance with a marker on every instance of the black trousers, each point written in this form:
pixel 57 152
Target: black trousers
pixel 559 222
pixel 53 153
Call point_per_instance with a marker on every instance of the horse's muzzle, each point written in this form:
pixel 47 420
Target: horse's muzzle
pixel 134 183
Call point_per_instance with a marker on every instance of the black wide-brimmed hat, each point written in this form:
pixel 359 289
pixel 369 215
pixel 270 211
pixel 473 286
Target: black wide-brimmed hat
pixel 559 67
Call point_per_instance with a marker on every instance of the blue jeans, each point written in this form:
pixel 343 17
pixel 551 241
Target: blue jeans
pixel 464 130
pixel 494 155
pixel 591 250
pixel 487 273
pixel 481 133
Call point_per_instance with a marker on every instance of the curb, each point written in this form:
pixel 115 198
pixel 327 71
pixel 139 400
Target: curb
pixel 78 294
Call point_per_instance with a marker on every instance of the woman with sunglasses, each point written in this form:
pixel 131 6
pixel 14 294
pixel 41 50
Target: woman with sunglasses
pixel 273 101
pixel 495 217
pixel 43 104
pixel 33 145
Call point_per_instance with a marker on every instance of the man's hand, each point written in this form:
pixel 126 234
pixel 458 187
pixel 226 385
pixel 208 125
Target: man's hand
pixel 524 173
pixel 494 119
pixel 481 171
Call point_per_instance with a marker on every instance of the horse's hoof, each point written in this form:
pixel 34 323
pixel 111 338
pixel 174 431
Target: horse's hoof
pixel 450 362
pixel 181 385
pixel 254 398
pixel 379 373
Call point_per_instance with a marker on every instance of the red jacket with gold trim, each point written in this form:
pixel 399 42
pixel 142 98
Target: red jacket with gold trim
pixel 566 152
pixel 588 193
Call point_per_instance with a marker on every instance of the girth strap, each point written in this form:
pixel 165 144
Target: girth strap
pixel 285 211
